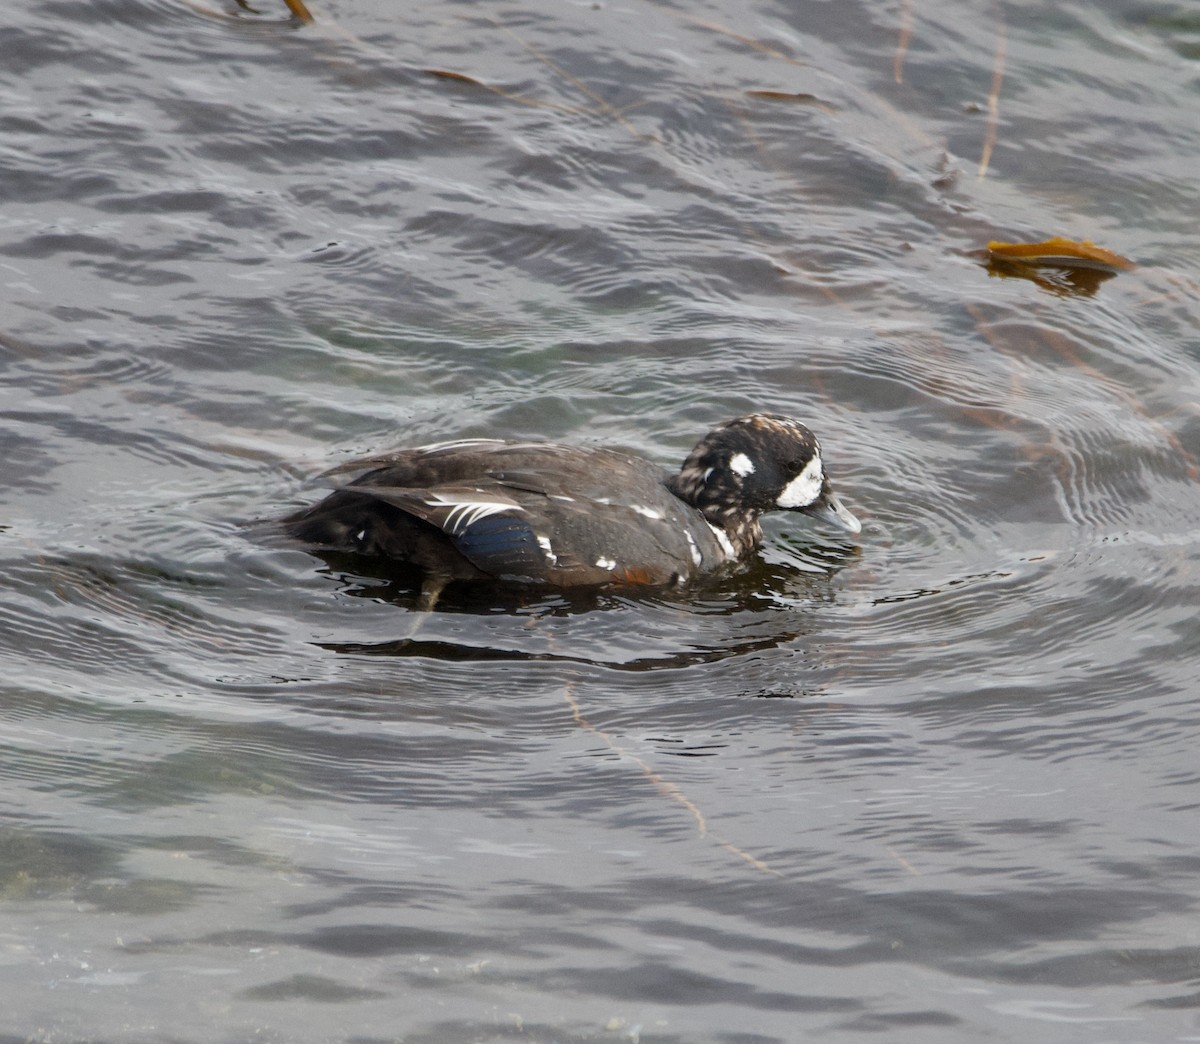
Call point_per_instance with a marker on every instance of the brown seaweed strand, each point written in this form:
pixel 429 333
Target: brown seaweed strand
pixel 662 785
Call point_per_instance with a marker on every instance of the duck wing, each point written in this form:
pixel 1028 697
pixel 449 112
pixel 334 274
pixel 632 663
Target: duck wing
pixel 487 527
pixel 528 511
pixel 514 531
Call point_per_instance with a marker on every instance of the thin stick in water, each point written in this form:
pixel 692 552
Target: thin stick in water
pixel 906 24
pixel 994 99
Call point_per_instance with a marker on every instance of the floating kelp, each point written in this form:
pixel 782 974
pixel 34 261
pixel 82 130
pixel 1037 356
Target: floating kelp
pixel 1060 265
pixel 298 10
pixel 1058 252
pixel 796 97
pixel 448 74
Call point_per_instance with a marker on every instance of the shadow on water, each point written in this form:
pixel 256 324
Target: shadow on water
pixel 764 601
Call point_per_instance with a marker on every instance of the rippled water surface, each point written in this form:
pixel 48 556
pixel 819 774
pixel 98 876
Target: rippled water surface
pixel 937 784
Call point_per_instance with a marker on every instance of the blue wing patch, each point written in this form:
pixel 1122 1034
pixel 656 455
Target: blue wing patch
pixel 503 546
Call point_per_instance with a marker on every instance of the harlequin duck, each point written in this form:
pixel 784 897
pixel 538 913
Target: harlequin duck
pixel 568 516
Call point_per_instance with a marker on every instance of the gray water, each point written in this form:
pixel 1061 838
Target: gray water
pixel 938 784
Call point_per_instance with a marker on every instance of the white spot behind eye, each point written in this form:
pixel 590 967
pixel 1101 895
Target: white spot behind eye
pixel 707 474
pixel 805 487
pixel 741 465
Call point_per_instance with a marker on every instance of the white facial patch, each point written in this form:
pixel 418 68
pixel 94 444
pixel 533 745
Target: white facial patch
pixel 805 487
pixel 741 465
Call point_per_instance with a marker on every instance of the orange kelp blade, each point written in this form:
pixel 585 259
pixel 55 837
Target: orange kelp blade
pixel 299 11
pixel 1058 252
pixel 1076 266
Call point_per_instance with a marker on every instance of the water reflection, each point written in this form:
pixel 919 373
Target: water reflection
pixel 760 607
pixel 1065 281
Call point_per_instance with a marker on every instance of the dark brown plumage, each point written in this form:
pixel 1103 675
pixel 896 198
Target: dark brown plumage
pixel 568 516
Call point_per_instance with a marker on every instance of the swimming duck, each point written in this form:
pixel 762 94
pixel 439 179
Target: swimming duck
pixel 570 516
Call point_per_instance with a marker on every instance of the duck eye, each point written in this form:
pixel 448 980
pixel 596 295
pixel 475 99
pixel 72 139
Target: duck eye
pixel 796 465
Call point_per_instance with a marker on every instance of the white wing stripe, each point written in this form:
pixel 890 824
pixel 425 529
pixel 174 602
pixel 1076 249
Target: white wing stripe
pixel 463 514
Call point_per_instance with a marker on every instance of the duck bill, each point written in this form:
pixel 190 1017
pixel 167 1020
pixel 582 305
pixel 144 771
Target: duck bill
pixel 830 509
